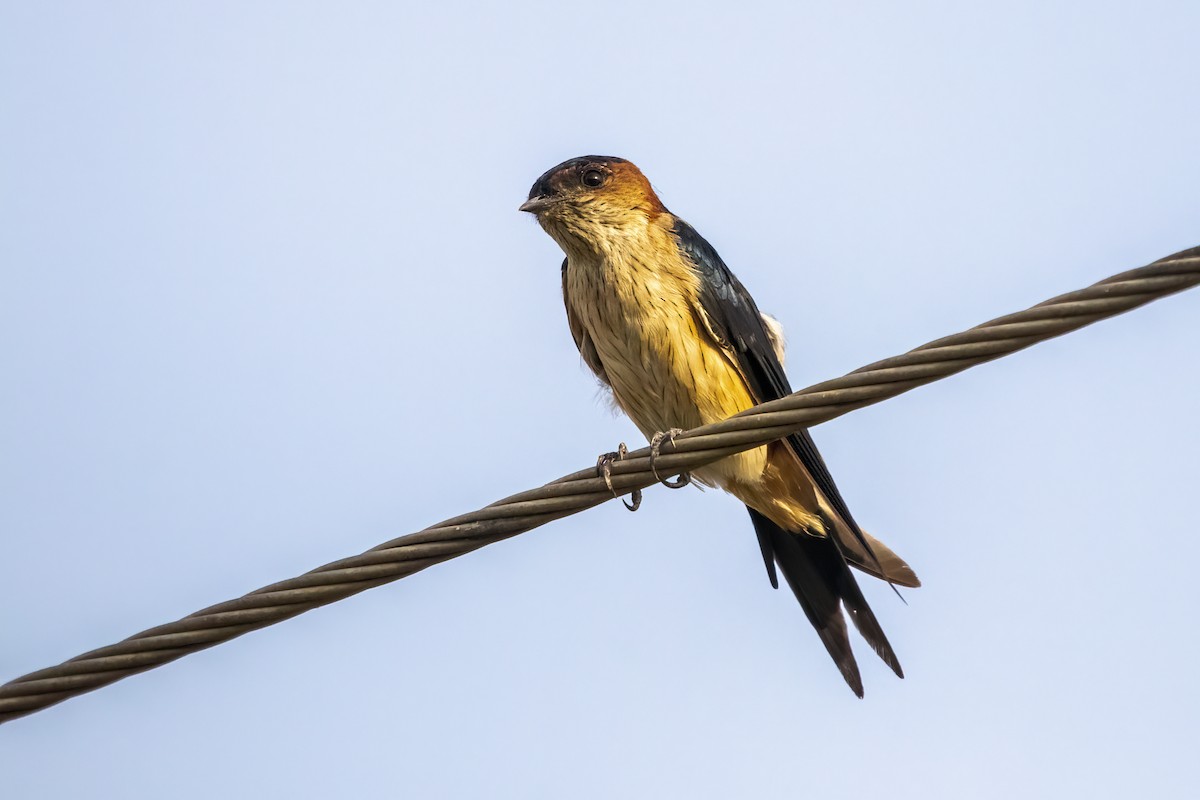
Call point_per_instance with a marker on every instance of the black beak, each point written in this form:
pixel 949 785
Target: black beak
pixel 536 204
pixel 541 196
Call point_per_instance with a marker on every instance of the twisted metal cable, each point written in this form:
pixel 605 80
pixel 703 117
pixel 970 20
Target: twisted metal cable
pixel 580 490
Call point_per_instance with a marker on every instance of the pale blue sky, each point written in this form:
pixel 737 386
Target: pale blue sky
pixel 266 301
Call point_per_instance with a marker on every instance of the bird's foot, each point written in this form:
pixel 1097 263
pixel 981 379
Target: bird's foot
pixel 604 470
pixel 656 442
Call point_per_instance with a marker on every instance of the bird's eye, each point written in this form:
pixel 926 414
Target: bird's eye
pixel 592 178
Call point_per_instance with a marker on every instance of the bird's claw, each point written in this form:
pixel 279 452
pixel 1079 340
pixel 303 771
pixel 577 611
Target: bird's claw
pixel 656 442
pixel 604 470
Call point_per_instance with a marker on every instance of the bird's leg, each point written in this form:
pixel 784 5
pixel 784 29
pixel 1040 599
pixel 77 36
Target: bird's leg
pixel 604 470
pixel 655 446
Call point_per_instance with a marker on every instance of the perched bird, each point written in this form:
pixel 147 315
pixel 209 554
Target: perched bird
pixel 662 322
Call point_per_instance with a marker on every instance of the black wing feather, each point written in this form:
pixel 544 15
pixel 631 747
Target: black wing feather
pixel 815 566
pixel 737 321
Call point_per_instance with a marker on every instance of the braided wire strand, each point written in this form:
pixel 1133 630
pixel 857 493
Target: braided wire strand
pixel 581 490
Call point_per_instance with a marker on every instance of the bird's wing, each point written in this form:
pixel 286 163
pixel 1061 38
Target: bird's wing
pixel 815 567
pixel 582 340
pixel 731 317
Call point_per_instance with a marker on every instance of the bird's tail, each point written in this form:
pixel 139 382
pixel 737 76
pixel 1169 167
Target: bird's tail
pixel 821 580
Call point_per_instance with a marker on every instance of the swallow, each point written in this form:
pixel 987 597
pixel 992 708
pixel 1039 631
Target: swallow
pixel 674 335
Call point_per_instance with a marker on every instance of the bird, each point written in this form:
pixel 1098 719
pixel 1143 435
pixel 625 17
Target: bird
pixel 665 325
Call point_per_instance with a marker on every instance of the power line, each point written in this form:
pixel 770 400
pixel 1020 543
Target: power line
pixel 578 491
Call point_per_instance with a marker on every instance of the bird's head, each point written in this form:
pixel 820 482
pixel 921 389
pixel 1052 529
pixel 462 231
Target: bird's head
pixel 588 202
